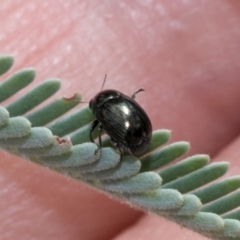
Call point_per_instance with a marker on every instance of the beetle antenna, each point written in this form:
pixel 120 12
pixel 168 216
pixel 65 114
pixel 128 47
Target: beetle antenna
pixel 104 80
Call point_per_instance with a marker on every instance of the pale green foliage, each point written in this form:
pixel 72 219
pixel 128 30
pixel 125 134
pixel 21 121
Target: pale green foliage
pixel 63 145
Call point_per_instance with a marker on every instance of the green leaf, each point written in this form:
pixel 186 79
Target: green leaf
pixel 128 167
pixel 198 178
pixel 164 155
pixel 82 135
pixel 108 159
pixel 183 167
pixel 72 122
pixel 191 205
pixel 202 222
pixel 143 182
pixel 59 146
pixel 231 228
pixel 224 204
pixel 38 138
pixel 232 214
pixel 34 97
pixel 4 116
pixel 53 110
pixel 218 189
pixel 15 83
pixel 80 155
pixel 6 62
pixel 160 199
pixel 17 127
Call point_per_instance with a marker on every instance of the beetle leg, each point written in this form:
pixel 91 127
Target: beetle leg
pixel 93 126
pixel 136 92
pixel 119 148
pixel 99 136
pixel 120 151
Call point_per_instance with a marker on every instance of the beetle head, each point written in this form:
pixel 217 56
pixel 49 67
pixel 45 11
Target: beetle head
pixel 102 97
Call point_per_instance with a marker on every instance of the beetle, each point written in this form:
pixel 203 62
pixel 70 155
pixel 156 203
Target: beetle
pixel 123 119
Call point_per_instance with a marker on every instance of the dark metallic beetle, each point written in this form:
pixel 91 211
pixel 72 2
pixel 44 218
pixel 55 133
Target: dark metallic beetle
pixel 123 119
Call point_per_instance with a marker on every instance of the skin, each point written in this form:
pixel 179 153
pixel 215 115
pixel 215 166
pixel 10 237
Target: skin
pixel 184 53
